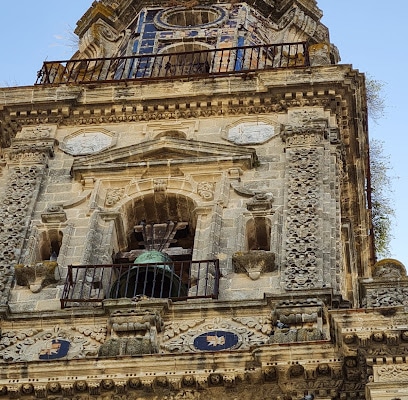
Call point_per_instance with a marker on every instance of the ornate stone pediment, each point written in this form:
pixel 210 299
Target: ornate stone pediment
pixel 165 151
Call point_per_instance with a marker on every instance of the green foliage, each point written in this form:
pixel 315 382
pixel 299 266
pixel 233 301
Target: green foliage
pixel 383 213
pixel 375 98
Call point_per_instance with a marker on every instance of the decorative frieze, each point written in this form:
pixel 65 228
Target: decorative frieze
pixel 46 344
pixel 214 335
pixel 392 373
pixel 267 106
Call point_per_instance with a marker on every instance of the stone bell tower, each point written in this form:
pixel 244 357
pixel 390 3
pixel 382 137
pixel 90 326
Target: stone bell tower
pixel 186 214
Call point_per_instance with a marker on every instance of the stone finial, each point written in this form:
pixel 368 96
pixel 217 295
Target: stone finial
pixel 389 269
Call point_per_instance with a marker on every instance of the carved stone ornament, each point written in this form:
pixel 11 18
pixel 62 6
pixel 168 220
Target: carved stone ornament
pixel 303 241
pixel 251 132
pixel 311 134
pixel 25 153
pixel 387 296
pixel 260 202
pixel 113 196
pixel 36 276
pixel 389 269
pixel 54 214
pixel 254 262
pixel 319 54
pixel 87 141
pixel 214 335
pixel 15 206
pixel 38 132
pixel 38 344
pixel 206 190
pixel 132 334
pixel 393 373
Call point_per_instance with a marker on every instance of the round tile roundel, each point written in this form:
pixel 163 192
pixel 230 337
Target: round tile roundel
pixel 216 341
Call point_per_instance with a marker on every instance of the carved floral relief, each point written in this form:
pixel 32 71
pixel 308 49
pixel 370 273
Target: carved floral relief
pixel 45 344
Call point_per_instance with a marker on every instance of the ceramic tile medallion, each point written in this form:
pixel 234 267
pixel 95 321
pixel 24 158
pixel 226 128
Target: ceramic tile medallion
pixel 216 341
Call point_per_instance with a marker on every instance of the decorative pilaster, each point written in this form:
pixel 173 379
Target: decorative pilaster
pixel 26 160
pixel 304 214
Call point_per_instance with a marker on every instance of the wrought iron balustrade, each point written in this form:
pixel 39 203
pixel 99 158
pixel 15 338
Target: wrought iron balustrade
pixel 176 65
pixel 91 284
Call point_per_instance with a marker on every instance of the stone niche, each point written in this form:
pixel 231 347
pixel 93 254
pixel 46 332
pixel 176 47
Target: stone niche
pixel 254 262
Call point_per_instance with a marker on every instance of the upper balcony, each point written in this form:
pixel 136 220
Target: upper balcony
pixel 221 61
pixel 89 285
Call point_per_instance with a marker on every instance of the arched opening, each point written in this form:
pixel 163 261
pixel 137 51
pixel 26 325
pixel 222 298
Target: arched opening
pixel 161 221
pixel 184 58
pixel 192 17
pixel 179 18
pixel 172 134
pixel 50 244
pixel 161 229
pixel 258 234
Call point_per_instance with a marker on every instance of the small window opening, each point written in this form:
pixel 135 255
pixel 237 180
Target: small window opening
pixel 258 232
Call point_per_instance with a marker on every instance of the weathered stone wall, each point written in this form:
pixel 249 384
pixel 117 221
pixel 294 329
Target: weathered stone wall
pixel 233 168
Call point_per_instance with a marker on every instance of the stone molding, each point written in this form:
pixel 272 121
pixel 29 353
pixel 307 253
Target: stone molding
pixel 178 109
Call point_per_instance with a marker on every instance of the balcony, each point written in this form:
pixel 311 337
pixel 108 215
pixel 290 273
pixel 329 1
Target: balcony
pixel 89 285
pixel 176 65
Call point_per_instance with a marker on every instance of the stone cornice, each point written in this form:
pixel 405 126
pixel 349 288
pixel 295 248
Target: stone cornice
pixel 150 373
pixel 137 101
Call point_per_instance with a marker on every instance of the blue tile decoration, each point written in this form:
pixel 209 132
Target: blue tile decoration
pixel 140 22
pixel 216 341
pixel 55 349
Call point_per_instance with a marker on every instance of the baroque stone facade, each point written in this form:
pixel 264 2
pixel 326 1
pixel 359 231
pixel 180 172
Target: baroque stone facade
pixel 184 215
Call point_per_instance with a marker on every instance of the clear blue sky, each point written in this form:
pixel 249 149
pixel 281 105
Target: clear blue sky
pixel 368 34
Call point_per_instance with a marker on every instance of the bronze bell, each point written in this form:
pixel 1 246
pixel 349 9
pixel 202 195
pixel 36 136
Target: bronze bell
pixel 155 279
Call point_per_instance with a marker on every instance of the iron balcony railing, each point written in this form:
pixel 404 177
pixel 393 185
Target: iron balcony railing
pixel 176 65
pixel 87 285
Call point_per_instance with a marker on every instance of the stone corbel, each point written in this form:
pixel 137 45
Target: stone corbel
pixel 132 334
pixel 54 214
pixel 141 323
pixel 260 202
pixel 36 276
pixel 254 262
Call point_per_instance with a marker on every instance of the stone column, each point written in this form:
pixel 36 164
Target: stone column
pixel 206 245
